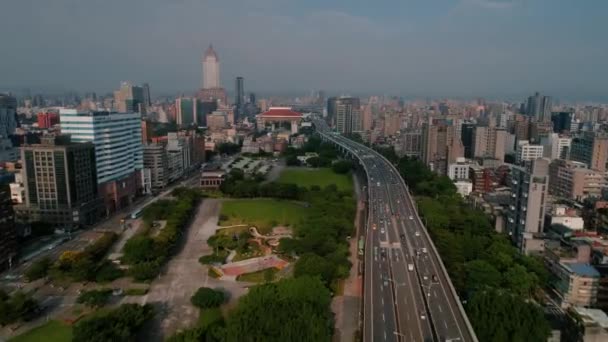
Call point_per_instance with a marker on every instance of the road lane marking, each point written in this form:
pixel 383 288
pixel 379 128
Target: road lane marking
pixel 383 318
pixel 440 310
pixel 445 324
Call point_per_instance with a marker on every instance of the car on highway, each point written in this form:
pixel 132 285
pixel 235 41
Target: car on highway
pixel 383 253
pixel 374 226
pixel 422 315
pixel 411 217
pixel 402 237
pixel 423 249
pixel 434 277
pixel 410 267
pixel 417 233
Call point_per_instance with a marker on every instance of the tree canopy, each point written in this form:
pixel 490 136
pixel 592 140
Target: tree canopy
pixel 294 309
pixel 205 298
pixel 18 307
pixel 94 298
pixel 120 324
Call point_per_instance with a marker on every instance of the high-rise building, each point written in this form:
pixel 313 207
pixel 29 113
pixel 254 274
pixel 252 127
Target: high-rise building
pixel 392 123
pixel 155 160
pixel 540 130
pixel 590 148
pixel 239 97
pixel 556 146
pixel 573 180
pixel 186 111
pixel 8 234
pixel 467 133
pixel 412 144
pixel 130 99
pixel 147 98
pixel 60 183
pixel 118 149
pixel 331 110
pixel 347 114
pixel 8 115
pixel 539 107
pixel 211 69
pixel 489 142
pixel 562 121
pixel 367 118
pixel 203 109
pixel 520 126
pixel 529 190
pixel 8 124
pixel 441 145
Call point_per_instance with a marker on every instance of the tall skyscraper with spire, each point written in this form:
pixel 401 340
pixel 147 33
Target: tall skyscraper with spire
pixel 212 91
pixel 211 69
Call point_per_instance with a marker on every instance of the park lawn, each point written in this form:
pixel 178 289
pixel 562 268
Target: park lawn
pixel 53 331
pixel 258 276
pixel 321 177
pixel 262 213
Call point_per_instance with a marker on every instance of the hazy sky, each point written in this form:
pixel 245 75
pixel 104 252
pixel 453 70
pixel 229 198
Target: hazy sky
pixel 494 48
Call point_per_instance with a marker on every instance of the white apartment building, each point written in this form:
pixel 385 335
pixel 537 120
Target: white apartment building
pixel 459 170
pixel 527 152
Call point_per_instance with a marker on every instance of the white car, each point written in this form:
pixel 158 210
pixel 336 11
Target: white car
pixel 411 217
pixel 423 249
pixel 417 233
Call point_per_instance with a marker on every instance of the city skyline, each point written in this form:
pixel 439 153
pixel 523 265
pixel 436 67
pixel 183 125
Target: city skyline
pixel 462 48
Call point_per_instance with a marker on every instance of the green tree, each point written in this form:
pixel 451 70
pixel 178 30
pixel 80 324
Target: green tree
pixel 500 316
pixel 342 166
pixel 39 269
pixel 121 324
pixel 313 265
pixel 481 274
pixel 94 298
pixel 18 307
pixel 139 248
pixel 292 160
pixel 314 162
pixel 519 281
pixel 294 309
pixel 207 298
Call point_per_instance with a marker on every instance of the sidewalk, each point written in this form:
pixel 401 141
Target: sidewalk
pixel 347 307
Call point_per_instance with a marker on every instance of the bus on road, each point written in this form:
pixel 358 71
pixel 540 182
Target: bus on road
pixel 137 213
pixel 361 245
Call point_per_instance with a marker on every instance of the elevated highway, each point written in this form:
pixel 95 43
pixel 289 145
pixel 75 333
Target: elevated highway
pixel 408 295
